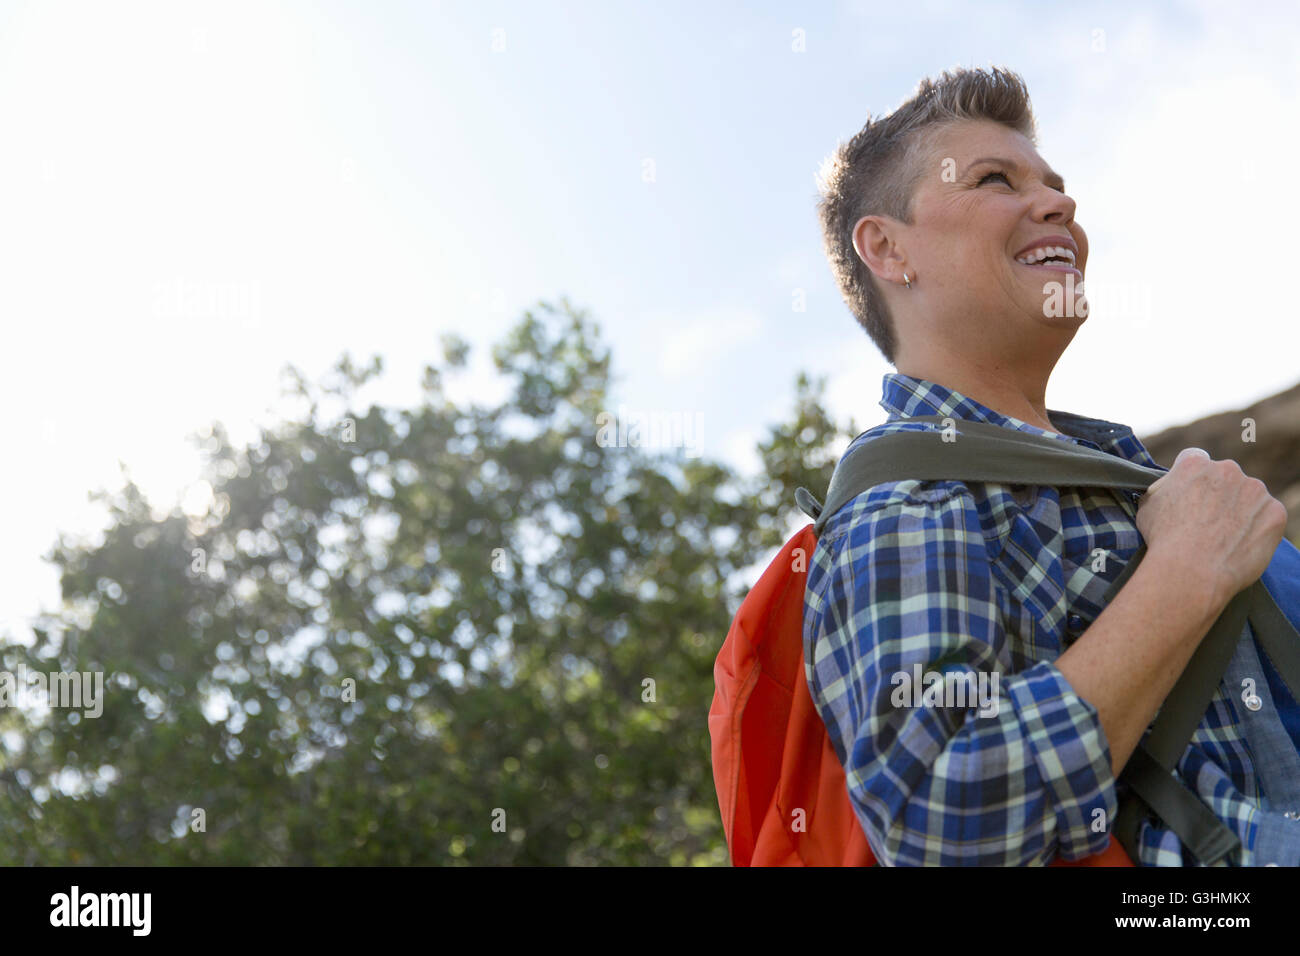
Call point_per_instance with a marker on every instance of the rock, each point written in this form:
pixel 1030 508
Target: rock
pixel 1273 456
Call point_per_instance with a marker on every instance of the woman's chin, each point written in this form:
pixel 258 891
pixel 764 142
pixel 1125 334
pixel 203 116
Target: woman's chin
pixel 1063 323
pixel 1068 320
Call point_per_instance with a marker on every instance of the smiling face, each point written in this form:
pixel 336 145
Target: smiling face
pixel 992 226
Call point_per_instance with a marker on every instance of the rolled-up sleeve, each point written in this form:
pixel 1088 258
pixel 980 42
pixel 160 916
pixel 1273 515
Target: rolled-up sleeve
pixel 1016 776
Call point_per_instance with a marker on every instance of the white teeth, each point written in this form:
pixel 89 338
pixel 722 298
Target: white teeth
pixel 1044 252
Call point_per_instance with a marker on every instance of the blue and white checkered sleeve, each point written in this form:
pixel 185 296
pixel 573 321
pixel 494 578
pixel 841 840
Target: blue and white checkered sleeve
pixel 992 768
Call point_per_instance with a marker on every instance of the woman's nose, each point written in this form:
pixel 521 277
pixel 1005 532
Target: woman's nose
pixel 1052 205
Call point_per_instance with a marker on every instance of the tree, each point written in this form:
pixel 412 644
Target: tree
pixel 430 635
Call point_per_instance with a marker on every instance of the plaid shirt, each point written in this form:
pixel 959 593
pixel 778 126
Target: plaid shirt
pixel 991 578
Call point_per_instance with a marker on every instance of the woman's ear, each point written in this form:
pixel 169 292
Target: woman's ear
pixel 874 243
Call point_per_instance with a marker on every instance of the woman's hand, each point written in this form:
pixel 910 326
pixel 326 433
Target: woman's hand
pixel 1217 524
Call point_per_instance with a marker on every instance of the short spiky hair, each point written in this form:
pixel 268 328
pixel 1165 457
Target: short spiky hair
pixel 877 171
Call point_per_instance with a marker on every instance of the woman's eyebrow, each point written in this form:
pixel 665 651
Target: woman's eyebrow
pixel 1051 176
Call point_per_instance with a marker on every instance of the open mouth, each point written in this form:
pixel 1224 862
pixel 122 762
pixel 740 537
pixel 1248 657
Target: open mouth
pixel 1051 259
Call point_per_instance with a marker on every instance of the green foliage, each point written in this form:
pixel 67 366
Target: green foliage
pixel 498 586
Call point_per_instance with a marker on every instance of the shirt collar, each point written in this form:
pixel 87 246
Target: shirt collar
pixel 906 397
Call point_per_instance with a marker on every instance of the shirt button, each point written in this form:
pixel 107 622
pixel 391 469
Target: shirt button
pixel 1252 701
pixel 1075 622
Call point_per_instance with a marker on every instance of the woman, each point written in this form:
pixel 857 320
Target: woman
pixel 956 247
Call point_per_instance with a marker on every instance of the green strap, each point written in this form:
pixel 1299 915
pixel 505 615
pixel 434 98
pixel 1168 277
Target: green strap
pixel 979 452
pixel 985 452
pixel 1182 713
pixel 1149 769
pixel 1187 702
pixel 1204 834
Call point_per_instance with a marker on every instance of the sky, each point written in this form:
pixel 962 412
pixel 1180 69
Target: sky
pixel 195 195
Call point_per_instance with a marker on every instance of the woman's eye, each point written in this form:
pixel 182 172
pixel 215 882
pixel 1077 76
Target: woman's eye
pixel 988 176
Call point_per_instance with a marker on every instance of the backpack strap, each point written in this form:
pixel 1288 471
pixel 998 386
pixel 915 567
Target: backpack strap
pixel 1154 788
pixel 1148 771
pixel 979 451
pixel 985 452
